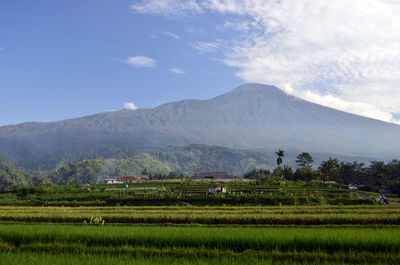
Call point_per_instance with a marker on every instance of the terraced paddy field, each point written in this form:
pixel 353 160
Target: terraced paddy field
pixel 172 194
pixel 205 245
pixel 361 234
pixel 211 215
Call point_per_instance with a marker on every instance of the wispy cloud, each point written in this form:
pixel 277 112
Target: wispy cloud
pixel 130 106
pixel 206 47
pixel 176 70
pixel 340 53
pixel 172 35
pixel 1 49
pixel 141 61
pixel 170 8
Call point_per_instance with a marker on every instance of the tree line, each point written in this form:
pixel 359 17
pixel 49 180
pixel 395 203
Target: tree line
pixel 374 176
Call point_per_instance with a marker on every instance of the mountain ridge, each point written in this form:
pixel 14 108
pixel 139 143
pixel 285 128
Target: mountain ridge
pixel 252 116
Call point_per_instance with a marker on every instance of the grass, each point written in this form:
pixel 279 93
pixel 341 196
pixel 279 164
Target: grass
pixel 93 259
pixel 244 235
pixel 355 245
pixel 243 215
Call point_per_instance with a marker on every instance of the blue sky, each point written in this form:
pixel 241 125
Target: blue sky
pixel 68 59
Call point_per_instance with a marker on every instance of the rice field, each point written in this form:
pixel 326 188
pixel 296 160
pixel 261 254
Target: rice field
pixel 99 259
pixel 320 234
pixel 356 245
pixel 209 215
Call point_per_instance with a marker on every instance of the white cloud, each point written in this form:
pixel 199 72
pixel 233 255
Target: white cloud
pixel 141 61
pixel 340 53
pixel 172 35
pixel 169 8
pixel 130 106
pixel 355 107
pixel 206 47
pixel 176 70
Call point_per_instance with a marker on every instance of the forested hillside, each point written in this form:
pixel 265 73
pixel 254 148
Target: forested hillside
pixel 10 175
pixel 181 161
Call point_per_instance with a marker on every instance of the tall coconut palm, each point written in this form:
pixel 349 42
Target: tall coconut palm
pixel 280 154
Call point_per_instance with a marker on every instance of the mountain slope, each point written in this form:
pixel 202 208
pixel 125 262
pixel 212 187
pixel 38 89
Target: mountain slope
pixel 10 175
pixel 252 116
pixel 186 160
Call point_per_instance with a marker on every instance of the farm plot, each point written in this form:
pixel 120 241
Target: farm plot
pixel 205 244
pixel 209 215
pixel 197 194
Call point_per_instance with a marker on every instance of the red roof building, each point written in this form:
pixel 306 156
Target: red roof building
pixel 129 179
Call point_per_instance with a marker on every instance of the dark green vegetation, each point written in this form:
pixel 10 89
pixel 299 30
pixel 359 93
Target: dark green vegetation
pixel 375 176
pixel 352 245
pixel 195 158
pixel 253 117
pixel 101 259
pixel 274 191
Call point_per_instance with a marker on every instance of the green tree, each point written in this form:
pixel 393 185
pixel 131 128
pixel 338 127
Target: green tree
pixel 331 169
pixel 287 172
pixel 280 155
pixel 260 175
pixel 351 172
pixel 305 174
pixel 304 160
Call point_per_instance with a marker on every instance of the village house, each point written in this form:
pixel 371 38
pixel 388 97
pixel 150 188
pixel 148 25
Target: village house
pixel 112 181
pixel 217 189
pixel 125 179
pixel 214 176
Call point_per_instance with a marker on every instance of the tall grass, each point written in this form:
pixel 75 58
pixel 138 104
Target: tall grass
pixel 356 245
pixel 246 215
pixel 90 259
pixel 225 238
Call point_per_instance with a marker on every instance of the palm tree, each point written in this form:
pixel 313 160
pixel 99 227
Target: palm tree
pixel 280 154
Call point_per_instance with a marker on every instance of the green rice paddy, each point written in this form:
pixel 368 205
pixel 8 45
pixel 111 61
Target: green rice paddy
pixel 222 215
pixel 364 234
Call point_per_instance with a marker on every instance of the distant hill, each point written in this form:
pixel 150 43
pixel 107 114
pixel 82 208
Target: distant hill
pixel 253 116
pixel 192 159
pixel 186 160
pixel 11 175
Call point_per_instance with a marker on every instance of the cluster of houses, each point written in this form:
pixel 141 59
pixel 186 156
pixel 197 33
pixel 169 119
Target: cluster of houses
pixel 359 187
pixel 126 179
pixel 204 176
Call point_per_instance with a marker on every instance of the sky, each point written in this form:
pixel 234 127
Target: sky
pixel 61 60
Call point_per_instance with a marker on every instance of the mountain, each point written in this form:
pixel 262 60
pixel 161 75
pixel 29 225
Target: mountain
pixel 252 116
